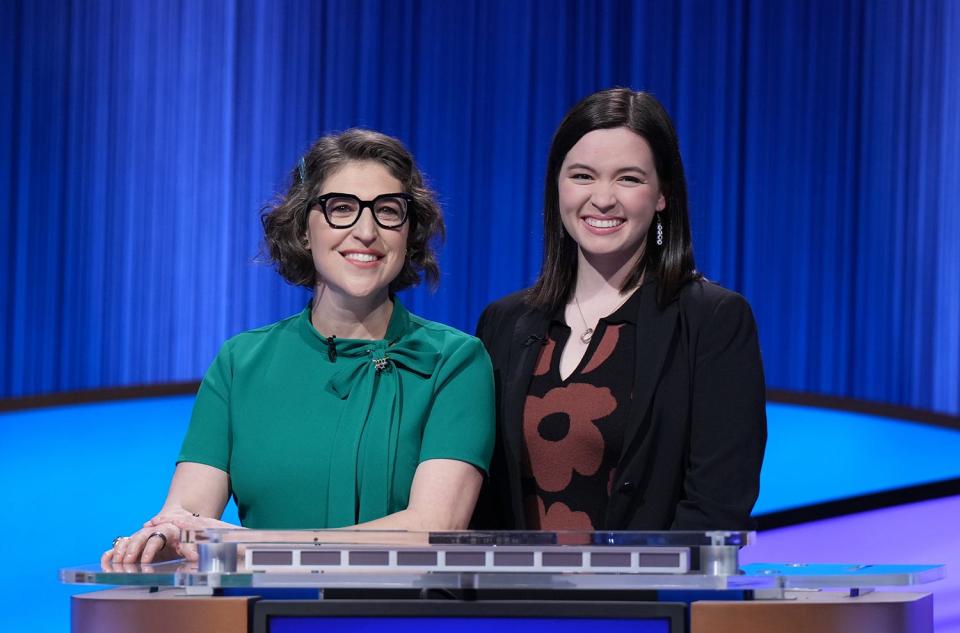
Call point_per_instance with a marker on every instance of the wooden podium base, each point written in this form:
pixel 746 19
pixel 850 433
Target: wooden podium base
pixel 170 610
pixel 817 612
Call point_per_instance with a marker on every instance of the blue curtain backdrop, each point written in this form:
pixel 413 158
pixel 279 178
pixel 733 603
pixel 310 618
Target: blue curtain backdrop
pixel 139 140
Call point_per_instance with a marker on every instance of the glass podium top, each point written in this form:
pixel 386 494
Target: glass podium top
pixel 470 537
pixel 485 560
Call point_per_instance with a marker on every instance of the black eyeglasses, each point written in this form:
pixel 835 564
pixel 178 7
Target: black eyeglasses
pixel 342 210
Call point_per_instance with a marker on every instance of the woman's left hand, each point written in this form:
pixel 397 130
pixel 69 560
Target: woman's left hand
pixel 186 520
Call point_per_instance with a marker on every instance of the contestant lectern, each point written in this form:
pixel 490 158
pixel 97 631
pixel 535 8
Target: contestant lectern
pixel 334 580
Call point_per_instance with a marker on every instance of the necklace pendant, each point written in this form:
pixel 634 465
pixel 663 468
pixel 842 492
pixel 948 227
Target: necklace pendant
pixel 587 335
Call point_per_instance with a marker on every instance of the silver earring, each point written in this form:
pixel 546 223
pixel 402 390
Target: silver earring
pixel 659 231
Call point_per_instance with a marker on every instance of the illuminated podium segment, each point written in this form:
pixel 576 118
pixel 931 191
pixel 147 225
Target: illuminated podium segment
pixel 495 556
pixel 524 552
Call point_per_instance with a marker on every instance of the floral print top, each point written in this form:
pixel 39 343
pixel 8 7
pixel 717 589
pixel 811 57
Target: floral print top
pixel 573 429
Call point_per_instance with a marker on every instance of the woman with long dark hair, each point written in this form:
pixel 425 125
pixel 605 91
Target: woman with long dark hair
pixel 630 388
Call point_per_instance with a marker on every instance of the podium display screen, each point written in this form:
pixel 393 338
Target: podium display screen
pixel 445 616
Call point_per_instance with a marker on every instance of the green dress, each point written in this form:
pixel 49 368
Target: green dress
pixel 314 436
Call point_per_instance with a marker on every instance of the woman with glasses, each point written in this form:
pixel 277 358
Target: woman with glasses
pixel 631 388
pixel 353 411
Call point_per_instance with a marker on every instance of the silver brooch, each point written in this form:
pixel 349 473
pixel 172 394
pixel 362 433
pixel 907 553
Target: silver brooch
pixel 380 363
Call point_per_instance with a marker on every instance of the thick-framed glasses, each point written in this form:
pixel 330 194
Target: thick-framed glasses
pixel 342 210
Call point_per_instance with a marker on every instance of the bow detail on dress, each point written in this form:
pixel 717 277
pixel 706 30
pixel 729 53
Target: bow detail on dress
pixel 410 354
pixel 370 382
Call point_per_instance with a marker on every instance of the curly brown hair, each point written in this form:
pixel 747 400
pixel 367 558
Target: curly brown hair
pixel 285 219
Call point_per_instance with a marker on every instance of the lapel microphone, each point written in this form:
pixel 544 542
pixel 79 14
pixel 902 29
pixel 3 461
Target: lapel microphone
pixel 331 348
pixel 534 338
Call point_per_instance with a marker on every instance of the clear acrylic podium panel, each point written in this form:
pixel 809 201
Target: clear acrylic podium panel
pixel 487 560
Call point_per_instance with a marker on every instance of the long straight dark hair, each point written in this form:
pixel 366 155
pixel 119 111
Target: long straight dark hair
pixel 672 264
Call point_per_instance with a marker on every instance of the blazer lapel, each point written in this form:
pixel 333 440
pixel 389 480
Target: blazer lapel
pixel 655 335
pixel 529 334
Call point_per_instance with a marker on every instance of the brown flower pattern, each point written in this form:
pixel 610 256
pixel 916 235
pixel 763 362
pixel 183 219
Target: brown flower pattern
pixel 543 363
pixel 552 462
pixel 558 514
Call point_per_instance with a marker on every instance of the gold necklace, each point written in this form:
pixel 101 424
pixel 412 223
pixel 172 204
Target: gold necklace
pixel 588 332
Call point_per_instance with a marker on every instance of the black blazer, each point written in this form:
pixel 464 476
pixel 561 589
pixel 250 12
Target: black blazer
pixel 691 460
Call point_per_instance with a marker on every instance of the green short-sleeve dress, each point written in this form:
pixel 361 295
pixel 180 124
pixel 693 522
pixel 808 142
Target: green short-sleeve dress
pixel 321 435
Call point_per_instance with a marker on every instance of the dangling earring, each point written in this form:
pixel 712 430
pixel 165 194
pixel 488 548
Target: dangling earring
pixel 659 231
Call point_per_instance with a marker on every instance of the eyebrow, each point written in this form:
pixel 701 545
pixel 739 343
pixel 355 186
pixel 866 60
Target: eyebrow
pixel 619 171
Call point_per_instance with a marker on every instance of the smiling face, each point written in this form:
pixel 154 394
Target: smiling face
pixel 608 194
pixel 358 262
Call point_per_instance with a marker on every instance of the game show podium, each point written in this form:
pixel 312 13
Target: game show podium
pixel 343 580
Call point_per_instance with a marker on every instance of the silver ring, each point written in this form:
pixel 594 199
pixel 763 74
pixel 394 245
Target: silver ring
pixel 161 535
pixel 117 540
pixel 196 514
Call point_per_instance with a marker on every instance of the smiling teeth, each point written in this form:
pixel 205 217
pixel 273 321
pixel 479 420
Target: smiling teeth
pixel 603 224
pixel 362 257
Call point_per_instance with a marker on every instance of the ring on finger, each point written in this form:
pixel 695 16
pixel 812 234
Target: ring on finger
pixel 161 535
pixel 117 540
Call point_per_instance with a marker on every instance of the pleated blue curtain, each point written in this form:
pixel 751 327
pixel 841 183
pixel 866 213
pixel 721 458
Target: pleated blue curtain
pixel 141 139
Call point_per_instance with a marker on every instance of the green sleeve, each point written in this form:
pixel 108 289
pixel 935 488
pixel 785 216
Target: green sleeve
pixel 461 424
pixel 208 437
